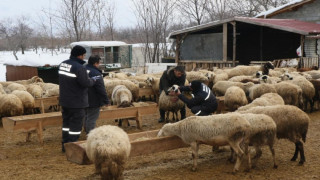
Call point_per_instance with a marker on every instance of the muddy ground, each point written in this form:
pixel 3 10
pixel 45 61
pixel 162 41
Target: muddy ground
pixel 30 160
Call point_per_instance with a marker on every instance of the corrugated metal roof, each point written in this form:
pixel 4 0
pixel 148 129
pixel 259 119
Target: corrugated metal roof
pixel 290 25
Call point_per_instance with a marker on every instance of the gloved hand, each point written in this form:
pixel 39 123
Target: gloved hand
pixel 95 78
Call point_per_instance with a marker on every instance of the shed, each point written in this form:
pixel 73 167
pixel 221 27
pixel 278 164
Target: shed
pixel 114 54
pixel 241 40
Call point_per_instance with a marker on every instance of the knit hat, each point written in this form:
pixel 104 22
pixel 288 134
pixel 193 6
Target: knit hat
pixel 78 51
pixel 195 85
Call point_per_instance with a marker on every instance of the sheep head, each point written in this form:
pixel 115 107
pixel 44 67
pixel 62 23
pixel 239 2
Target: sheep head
pixel 286 76
pixel 258 74
pixel 264 78
pixel 149 81
pixel 269 65
pixel 174 88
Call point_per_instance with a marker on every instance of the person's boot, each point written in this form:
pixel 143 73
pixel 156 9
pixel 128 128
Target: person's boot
pixel 162 115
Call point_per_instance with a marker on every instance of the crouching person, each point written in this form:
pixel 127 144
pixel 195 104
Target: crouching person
pixel 203 102
pixel 97 94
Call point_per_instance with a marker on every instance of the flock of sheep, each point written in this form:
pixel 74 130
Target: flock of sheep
pixel 264 104
pixel 18 97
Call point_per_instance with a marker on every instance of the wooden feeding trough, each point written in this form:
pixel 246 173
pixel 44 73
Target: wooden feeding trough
pixel 49 101
pixel 142 143
pixel 37 122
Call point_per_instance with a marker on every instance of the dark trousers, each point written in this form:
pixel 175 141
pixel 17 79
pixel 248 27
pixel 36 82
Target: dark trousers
pixel 182 113
pixel 92 115
pixel 72 124
pixel 196 110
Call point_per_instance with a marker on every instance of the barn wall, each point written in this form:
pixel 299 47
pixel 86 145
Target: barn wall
pixel 15 73
pixel 309 12
pixel 202 47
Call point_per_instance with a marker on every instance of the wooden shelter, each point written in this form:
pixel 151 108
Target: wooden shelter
pixel 242 40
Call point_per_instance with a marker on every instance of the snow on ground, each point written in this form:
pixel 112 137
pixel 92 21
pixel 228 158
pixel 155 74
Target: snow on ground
pixel 31 58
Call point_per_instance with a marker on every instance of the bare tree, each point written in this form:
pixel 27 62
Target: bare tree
pixel 7 31
pixel 23 32
pixel 194 10
pixel 218 10
pixel 251 8
pixel 110 18
pixel 153 22
pixel 75 17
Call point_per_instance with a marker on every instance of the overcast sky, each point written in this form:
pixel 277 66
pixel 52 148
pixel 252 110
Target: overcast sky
pixel 14 8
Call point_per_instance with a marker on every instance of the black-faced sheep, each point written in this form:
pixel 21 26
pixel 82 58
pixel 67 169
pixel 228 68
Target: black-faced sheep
pixel 216 130
pixel 250 70
pixel 108 147
pixel 121 96
pixel 268 99
pixel 234 98
pixel 292 124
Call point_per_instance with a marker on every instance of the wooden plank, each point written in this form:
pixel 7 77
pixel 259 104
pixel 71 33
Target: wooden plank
pixel 225 42
pixel 148 144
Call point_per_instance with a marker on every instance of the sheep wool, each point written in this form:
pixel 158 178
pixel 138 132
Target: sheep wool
pixel 216 130
pixel 166 104
pixel 26 98
pixel 292 124
pixel 109 148
pixel 260 89
pixel 35 90
pixel 268 99
pixel 15 86
pixel 121 96
pixel 234 98
pixel 10 105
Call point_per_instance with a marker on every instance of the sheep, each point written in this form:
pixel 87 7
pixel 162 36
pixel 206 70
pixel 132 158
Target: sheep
pixel 292 124
pixel 259 89
pixel 2 91
pixel 34 79
pixel 15 86
pixel 250 70
pixel 316 85
pixel 193 75
pixel 240 78
pixel 263 131
pixel 291 93
pixel 268 99
pixel 314 74
pixel 121 96
pixel 26 99
pixel 221 76
pixel 234 98
pixel 35 90
pixel 109 148
pixel 170 104
pixel 215 130
pixel 308 90
pixel 110 84
pixel 221 87
pixel 10 105
pixel 154 83
pixel 269 80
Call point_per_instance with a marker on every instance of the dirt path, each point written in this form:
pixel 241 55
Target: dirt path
pixel 30 160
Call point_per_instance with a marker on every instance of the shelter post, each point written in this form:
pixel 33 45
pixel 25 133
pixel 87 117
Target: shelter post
pixel 225 41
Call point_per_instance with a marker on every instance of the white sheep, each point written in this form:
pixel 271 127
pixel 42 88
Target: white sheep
pixel 35 90
pixel 26 98
pixel 15 86
pixel 240 78
pixel 292 124
pixel 2 91
pixel 234 98
pixel 263 131
pixel 268 99
pixel 258 90
pixel 291 93
pixel 269 80
pixel 10 105
pixel 250 70
pixel 169 104
pixel 110 84
pixel 216 130
pixel 308 91
pixel 195 75
pixel 221 87
pixel 121 96
pixel 109 148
